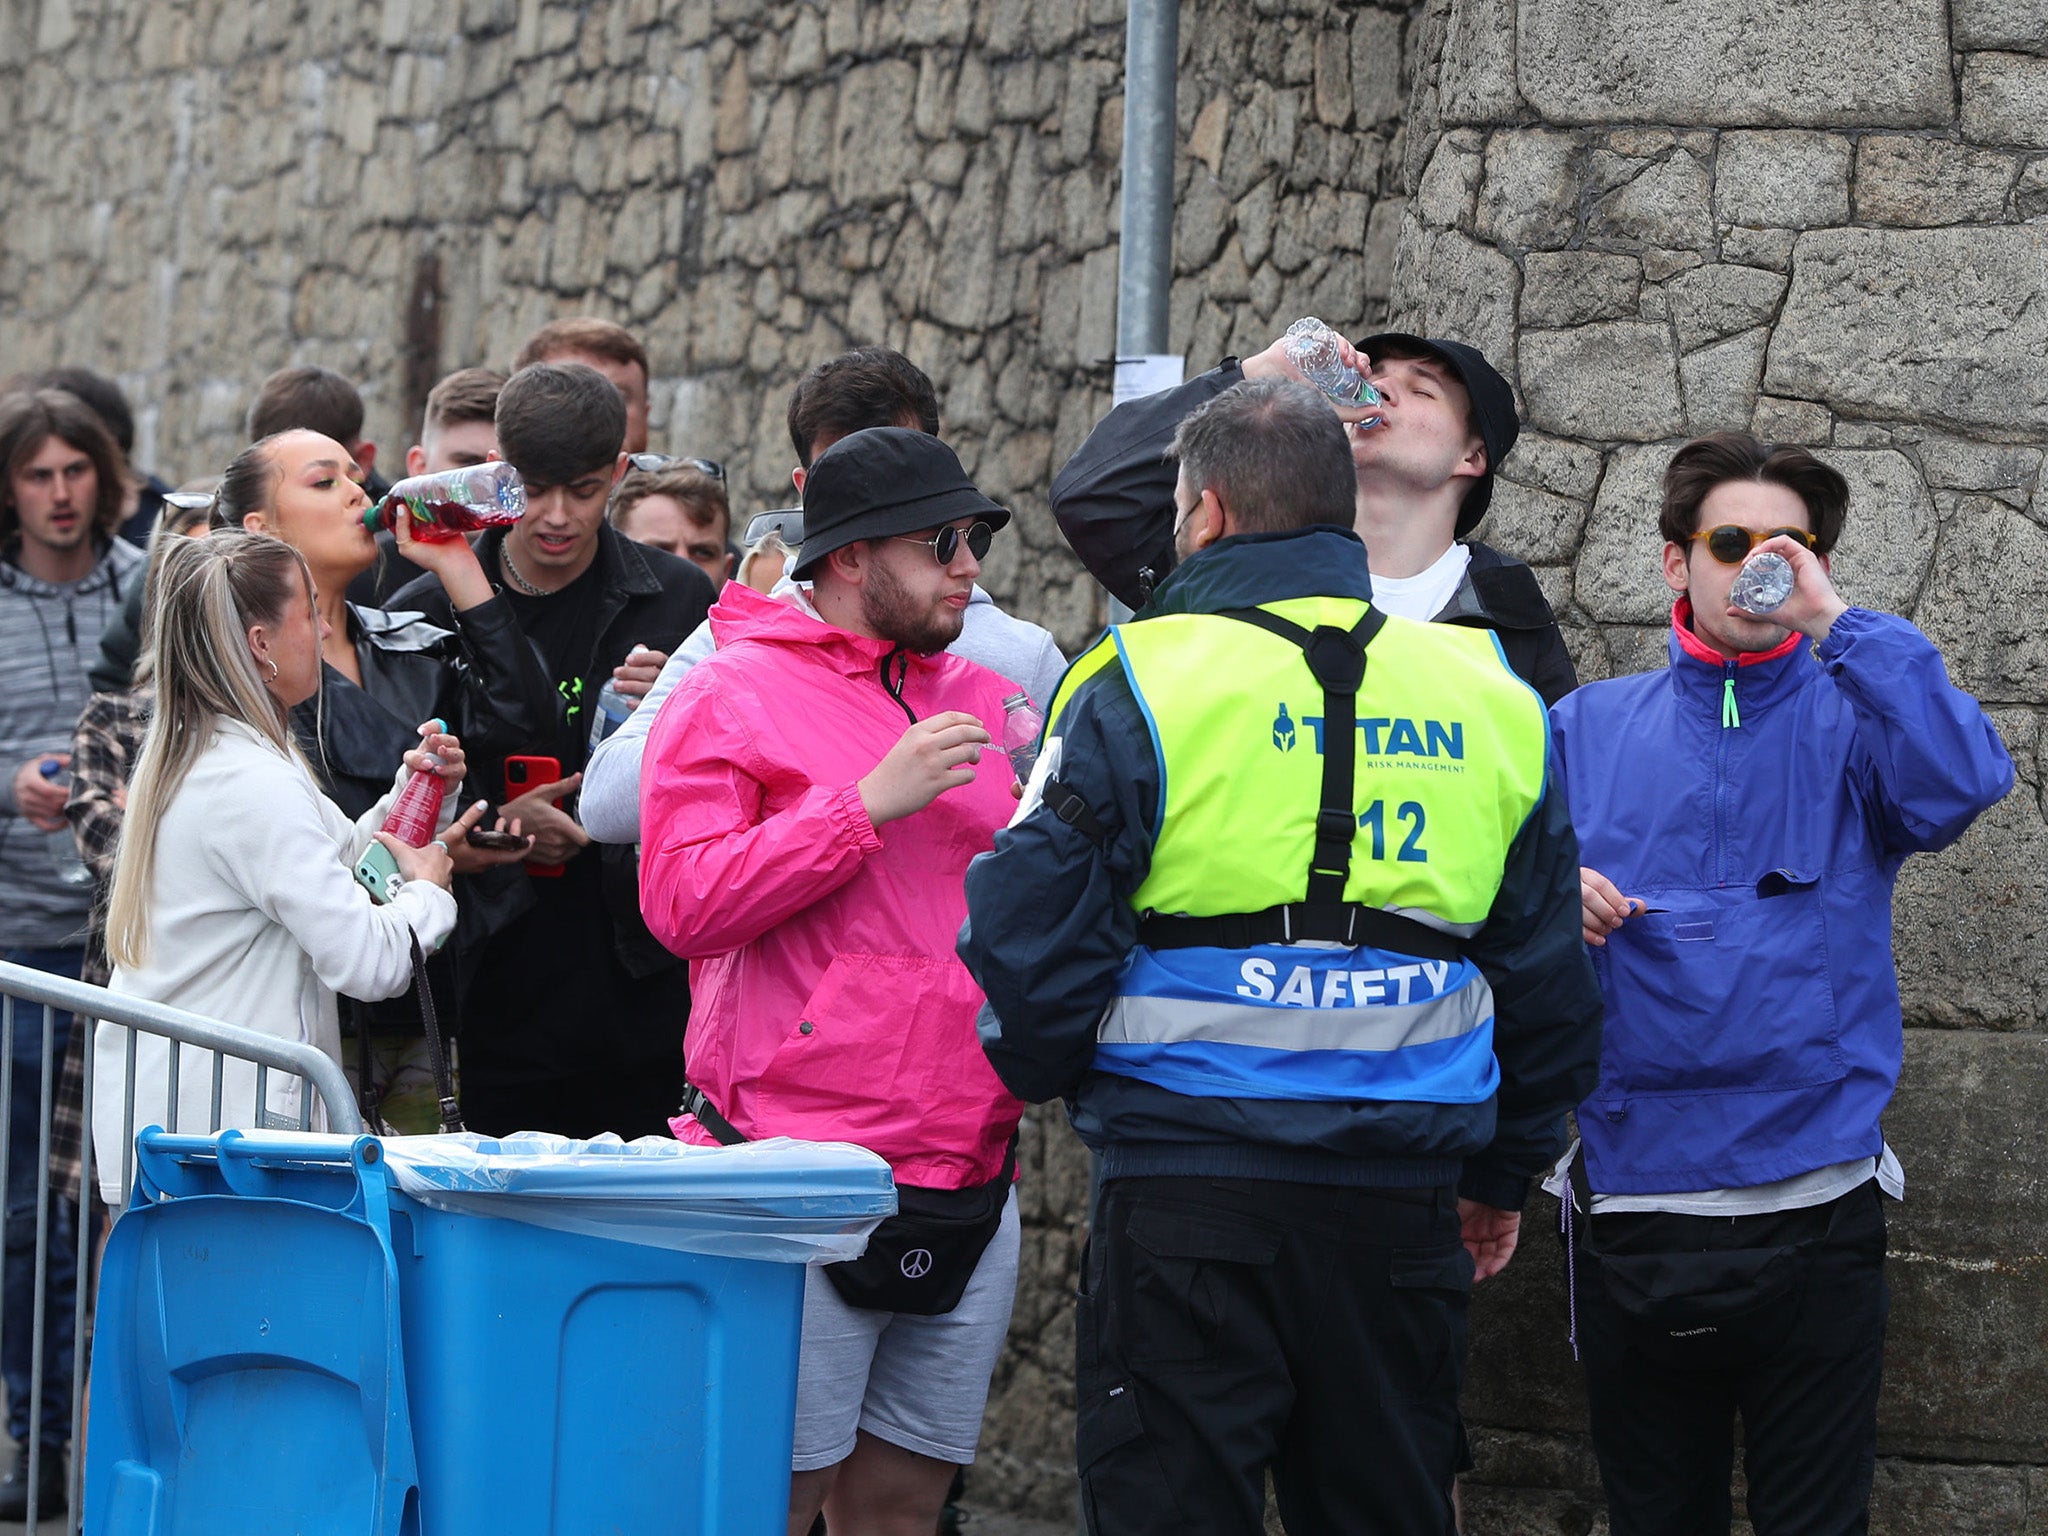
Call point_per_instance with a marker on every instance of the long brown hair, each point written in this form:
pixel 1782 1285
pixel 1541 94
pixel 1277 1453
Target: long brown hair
pixel 203 597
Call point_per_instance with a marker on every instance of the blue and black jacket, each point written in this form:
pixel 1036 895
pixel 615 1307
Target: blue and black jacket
pixel 1051 929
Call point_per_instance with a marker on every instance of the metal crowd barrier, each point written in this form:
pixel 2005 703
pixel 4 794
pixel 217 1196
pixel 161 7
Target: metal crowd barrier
pixel 51 997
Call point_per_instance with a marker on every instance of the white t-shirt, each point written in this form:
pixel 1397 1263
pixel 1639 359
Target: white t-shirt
pixel 1422 597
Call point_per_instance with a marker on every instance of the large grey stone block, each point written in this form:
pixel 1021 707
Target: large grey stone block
pixel 1964 1379
pixel 1720 382
pixel 1710 302
pixel 1801 63
pixel 1615 379
pixel 1478 84
pixel 1888 537
pixel 1565 288
pixel 1449 285
pixel 1789 179
pixel 1971 928
pixel 1936 325
pixel 1619 574
pixel 1530 196
pixel 2005 99
pixel 1915 181
pixel 1663 202
pixel 2019 25
pixel 1984 601
pixel 1536 526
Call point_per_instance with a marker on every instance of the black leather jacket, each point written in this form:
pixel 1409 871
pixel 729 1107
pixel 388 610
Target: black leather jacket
pixel 486 681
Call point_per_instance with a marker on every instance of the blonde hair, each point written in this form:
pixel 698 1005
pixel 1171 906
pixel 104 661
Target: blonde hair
pixel 204 595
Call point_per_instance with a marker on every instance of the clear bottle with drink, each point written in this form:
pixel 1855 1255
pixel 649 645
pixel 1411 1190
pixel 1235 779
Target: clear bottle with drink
pixel 612 709
pixel 1312 348
pixel 452 502
pixel 1022 726
pixel 64 859
pixel 1763 583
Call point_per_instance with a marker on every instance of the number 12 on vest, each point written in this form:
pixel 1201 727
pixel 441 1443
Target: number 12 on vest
pixel 1409 813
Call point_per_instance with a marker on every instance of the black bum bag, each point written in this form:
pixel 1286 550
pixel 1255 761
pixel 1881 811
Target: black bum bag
pixel 919 1260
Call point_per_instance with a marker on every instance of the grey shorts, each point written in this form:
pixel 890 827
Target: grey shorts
pixel 917 1382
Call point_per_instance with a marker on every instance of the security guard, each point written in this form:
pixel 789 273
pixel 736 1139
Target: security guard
pixel 1290 916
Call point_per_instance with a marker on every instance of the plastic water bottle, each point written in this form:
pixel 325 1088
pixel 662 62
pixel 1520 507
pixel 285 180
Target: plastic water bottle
pixel 1022 724
pixel 1763 583
pixel 454 501
pixel 1312 347
pixel 64 859
pixel 612 709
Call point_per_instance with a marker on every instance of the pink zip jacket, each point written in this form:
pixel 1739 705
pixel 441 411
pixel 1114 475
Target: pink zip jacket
pixel 827 1001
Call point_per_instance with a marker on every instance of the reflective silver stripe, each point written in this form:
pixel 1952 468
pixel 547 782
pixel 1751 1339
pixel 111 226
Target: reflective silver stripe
pixel 1172 1020
pixel 1431 920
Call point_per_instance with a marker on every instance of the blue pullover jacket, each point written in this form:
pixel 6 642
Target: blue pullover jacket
pixel 1762 809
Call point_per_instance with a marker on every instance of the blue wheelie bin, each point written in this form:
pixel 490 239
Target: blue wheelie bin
pixel 438 1336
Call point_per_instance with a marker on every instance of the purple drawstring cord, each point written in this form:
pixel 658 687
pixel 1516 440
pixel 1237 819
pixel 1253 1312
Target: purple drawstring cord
pixel 1571 1272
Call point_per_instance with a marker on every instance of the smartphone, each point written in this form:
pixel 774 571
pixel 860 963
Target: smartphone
pixel 521 774
pixel 377 872
pixel 491 839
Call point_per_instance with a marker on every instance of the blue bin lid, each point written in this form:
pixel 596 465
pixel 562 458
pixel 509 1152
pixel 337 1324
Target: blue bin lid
pixel 781 1200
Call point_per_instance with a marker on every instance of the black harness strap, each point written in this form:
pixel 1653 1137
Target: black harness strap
pixel 1337 658
pixel 1347 923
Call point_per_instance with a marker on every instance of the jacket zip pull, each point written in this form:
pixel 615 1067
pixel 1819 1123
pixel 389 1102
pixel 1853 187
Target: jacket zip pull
pixel 1731 717
pixel 893 685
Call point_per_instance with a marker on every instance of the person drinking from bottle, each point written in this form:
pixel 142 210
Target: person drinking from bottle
pixel 381 674
pixel 1742 818
pixel 233 894
pixel 578 1013
pixel 1424 455
pixel 815 790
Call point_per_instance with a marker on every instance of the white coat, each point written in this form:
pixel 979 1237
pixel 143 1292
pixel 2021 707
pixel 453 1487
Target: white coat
pixel 255 920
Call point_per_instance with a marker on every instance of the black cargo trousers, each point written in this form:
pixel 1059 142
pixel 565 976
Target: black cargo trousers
pixel 1231 1325
pixel 1801 1369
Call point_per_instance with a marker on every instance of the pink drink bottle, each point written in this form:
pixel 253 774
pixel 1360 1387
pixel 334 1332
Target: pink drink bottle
pixel 454 501
pixel 411 820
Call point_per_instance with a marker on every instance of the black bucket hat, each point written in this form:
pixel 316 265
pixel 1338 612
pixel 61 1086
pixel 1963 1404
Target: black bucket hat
pixel 881 482
pixel 1493 406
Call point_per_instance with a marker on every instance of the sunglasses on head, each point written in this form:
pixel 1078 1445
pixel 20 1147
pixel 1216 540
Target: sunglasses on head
pixel 655 463
pixel 945 544
pixel 1731 542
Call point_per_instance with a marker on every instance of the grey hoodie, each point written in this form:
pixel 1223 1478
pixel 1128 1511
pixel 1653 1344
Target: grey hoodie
pixel 49 635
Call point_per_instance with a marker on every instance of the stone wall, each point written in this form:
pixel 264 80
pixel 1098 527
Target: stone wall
pixel 1657 218
pixel 201 190
pixel 1820 220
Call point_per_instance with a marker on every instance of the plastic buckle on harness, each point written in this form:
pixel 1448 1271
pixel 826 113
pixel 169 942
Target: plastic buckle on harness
pixel 1335 826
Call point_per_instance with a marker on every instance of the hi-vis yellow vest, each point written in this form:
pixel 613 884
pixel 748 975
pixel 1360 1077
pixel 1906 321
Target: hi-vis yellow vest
pixel 1449 763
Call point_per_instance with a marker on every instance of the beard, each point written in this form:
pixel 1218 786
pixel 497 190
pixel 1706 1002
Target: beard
pixel 891 612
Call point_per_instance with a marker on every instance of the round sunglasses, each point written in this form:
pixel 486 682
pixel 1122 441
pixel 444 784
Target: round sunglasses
pixel 1731 543
pixel 945 544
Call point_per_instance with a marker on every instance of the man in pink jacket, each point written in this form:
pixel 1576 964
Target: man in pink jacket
pixel 813 793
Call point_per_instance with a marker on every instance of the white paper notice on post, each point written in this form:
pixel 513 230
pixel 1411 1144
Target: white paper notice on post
pixel 1137 377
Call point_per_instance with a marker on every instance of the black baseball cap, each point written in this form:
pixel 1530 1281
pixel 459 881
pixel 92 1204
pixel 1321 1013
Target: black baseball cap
pixel 1493 406
pixel 881 482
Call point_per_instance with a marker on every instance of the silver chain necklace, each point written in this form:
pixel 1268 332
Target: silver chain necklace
pixel 518 576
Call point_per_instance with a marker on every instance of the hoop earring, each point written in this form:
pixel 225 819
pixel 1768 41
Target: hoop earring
pixel 273 668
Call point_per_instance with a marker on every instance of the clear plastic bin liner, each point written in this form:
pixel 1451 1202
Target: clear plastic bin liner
pixel 788 1202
